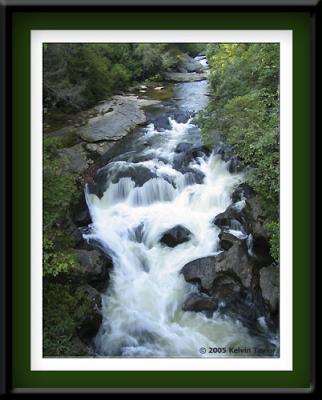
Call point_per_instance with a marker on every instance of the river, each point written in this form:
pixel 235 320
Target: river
pixel 142 306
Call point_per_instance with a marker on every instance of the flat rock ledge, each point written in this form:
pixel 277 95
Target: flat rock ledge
pixel 116 118
pixel 102 128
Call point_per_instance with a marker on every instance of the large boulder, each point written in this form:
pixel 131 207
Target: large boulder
pixel 94 267
pixel 269 284
pixel 242 192
pixel 233 213
pixel 199 302
pixel 236 260
pixel 227 289
pixel 175 236
pixel 120 116
pixel 247 211
pixel 185 153
pixel 228 240
pixel 192 149
pixel 245 217
pixel 188 64
pixel 193 176
pixel 202 271
pixel 232 287
pixel 251 213
pixel 183 147
pixel 138 173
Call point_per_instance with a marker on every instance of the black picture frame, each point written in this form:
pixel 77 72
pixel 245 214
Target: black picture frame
pixel 8 9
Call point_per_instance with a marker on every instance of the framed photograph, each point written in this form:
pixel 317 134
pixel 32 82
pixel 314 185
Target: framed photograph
pixel 161 188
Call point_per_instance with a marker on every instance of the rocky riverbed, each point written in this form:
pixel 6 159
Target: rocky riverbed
pixel 135 153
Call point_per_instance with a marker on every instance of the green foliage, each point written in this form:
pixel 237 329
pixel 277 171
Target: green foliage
pixel 274 229
pixel 245 114
pixel 63 310
pixel 59 191
pixel 193 49
pixel 77 76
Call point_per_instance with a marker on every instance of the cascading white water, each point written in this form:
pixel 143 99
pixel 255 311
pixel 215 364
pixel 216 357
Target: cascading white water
pixel 142 307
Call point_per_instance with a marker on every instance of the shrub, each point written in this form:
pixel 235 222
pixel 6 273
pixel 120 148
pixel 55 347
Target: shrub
pixel 60 190
pixel 245 113
pixel 63 310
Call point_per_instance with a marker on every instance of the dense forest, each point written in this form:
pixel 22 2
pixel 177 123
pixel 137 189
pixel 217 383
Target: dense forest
pixel 77 76
pixel 243 111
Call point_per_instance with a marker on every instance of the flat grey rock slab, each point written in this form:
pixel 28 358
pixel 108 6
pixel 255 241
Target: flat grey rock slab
pixel 117 117
pixel 75 158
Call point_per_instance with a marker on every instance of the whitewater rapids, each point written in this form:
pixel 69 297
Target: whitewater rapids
pixel 142 307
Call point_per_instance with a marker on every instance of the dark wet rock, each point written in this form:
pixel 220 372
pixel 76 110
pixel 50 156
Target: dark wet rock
pixel 232 213
pixel 82 217
pixel 175 236
pixel 193 176
pixel 201 271
pixel 138 173
pixel 94 267
pixel 183 147
pixel 198 302
pixel 91 323
pixel 260 251
pixel 248 213
pixel 192 149
pixel 183 158
pixel 242 192
pixel 162 122
pixel 200 151
pixel 240 303
pixel 80 212
pixel 235 165
pixel 181 161
pixel 236 260
pixel 227 240
pixel 102 247
pixel 269 284
pixel 227 288
pixel 256 217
